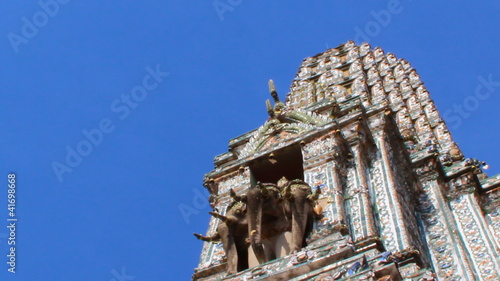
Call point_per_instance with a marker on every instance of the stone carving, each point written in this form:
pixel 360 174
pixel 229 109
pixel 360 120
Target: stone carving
pixel 382 201
pixel 333 61
pixel 413 105
pixel 358 86
pixel 288 204
pixel 349 45
pixel 373 76
pixel 470 226
pixel 260 218
pixel 378 53
pixel 355 70
pixel 389 82
pixel 338 92
pixel 406 65
pixel 443 134
pixel 399 73
pixel 384 68
pixel 281 120
pixel 232 232
pixel 414 79
pixel 391 58
pixel 422 93
pixel 403 118
pixel 264 202
pixel 234 182
pixel 335 76
pixel 422 125
pixel 368 60
pixel 405 86
pixel 320 147
pixel 352 54
pixel 395 98
pixel 433 208
pixel 364 48
pixel 431 112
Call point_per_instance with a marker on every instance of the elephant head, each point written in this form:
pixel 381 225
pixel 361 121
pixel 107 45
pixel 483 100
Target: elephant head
pixel 264 210
pixel 267 213
pixel 299 200
pixel 276 209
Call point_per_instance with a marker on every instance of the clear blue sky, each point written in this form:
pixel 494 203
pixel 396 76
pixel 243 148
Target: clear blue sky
pixel 69 66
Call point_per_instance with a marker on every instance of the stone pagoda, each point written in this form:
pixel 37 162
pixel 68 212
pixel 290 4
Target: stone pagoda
pixel 354 176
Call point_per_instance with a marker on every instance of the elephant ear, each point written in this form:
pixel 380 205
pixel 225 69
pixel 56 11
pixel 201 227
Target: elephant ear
pixel 237 198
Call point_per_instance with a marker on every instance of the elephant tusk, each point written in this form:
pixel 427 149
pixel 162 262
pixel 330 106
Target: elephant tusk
pixel 235 197
pixel 218 216
pixel 315 195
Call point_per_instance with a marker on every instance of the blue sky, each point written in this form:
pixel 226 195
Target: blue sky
pixel 150 91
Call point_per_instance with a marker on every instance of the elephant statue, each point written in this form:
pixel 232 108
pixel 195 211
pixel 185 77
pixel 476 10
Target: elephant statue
pixel 266 218
pixel 276 209
pixel 299 201
pixel 233 233
pixel 269 216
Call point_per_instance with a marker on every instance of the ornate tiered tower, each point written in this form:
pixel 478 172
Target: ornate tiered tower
pixel 354 177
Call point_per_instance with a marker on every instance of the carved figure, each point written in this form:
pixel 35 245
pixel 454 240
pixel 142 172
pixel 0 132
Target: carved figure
pixel 364 48
pixel 266 211
pixel 264 208
pixel 368 60
pixel 391 58
pixel 232 232
pixel 300 200
pixel 274 209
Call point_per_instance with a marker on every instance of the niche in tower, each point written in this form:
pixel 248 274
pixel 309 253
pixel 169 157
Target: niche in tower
pixel 286 162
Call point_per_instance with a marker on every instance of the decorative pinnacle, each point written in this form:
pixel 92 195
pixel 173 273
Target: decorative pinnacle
pixel 269 107
pixel 272 90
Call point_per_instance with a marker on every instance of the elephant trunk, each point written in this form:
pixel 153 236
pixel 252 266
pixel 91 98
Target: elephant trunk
pixel 229 245
pixel 254 213
pixel 300 209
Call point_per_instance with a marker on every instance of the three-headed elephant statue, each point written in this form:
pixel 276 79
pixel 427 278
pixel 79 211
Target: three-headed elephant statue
pixel 269 222
pixel 279 215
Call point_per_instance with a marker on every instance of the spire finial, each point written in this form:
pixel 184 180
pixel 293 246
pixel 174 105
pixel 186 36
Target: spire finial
pixel 269 107
pixel 272 90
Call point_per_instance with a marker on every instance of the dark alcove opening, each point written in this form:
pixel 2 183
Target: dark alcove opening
pixel 286 162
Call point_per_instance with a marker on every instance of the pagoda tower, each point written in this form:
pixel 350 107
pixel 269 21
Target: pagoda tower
pixel 354 176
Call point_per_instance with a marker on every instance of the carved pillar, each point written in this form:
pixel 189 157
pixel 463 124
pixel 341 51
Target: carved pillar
pixel 445 247
pixel 323 167
pixel 390 192
pixel 491 207
pixel 338 195
pixel 363 194
pixel 387 219
pixel 358 200
pixel 472 227
pixel 353 205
